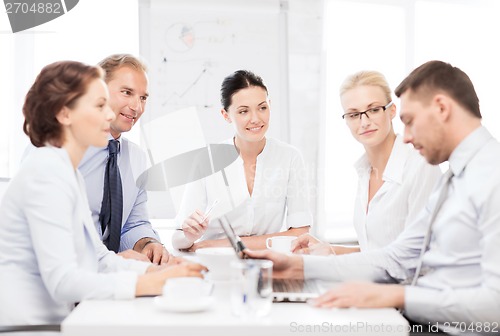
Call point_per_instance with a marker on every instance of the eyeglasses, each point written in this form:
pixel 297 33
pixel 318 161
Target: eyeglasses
pixel 373 112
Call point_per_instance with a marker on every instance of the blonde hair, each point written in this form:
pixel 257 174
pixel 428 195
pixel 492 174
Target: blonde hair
pixel 371 78
pixel 114 62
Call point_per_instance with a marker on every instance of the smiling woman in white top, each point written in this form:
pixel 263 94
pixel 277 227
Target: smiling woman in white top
pixel 395 181
pixel 50 253
pixel 267 186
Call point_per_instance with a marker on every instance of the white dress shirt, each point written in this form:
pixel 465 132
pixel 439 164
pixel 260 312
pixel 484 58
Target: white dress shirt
pixel 408 182
pixel 50 253
pixel 132 163
pixel 280 197
pixel 462 279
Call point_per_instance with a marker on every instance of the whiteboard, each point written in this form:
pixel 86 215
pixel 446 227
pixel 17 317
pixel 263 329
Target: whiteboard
pixel 191 45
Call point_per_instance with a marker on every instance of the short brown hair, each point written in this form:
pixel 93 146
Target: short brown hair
pixel 113 62
pixel 58 85
pixel 435 76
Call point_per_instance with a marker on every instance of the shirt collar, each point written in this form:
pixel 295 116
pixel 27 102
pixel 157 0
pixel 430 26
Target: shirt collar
pixel 397 161
pixel 362 165
pixel 466 149
pixel 265 150
pixel 395 165
pixel 110 137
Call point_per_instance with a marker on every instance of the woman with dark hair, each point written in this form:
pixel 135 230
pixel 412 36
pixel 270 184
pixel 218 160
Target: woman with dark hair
pixel 267 181
pixel 50 253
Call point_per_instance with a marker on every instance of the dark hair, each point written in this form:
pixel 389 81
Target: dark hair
pixel 58 85
pixel 114 62
pixel 236 81
pixel 440 76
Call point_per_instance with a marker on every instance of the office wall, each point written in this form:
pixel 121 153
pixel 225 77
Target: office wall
pixel 305 59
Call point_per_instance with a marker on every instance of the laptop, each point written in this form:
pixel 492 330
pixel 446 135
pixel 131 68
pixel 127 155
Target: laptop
pixel 284 290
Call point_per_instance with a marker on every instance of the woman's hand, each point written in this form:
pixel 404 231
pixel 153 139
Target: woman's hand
pixel 194 226
pixel 152 282
pixel 209 243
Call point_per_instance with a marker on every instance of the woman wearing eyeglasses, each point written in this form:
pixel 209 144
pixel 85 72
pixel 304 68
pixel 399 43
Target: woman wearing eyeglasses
pixel 394 180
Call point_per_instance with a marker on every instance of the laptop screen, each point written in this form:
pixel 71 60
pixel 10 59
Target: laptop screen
pixel 284 290
pixel 234 239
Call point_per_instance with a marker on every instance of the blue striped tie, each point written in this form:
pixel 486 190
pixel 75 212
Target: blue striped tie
pixel 112 199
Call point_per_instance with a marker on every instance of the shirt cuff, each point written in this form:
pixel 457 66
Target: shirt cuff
pixel 417 302
pixel 125 285
pixel 137 266
pixel 131 237
pixel 314 267
pixel 179 241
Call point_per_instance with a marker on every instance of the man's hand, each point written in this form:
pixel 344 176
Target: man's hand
pixel 308 244
pixel 284 266
pixel 156 253
pixel 131 254
pixel 153 250
pixel 362 295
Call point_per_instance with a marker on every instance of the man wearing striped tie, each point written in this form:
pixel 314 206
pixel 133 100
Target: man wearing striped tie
pixel 118 206
pixel 447 262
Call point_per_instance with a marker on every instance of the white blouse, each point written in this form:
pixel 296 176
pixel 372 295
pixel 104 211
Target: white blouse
pixel 50 253
pixel 280 197
pixel 408 182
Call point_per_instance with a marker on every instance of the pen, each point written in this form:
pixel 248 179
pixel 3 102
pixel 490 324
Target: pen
pixel 206 214
pixel 209 210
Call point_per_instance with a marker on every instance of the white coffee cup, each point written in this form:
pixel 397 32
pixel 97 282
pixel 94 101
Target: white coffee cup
pixel 217 260
pixel 281 244
pixel 186 289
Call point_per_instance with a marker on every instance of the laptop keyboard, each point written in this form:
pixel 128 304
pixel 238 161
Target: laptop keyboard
pixel 294 286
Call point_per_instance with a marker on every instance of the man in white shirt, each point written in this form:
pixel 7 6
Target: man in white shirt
pixel 459 283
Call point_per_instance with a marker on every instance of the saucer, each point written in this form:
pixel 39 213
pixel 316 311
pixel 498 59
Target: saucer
pixel 200 304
